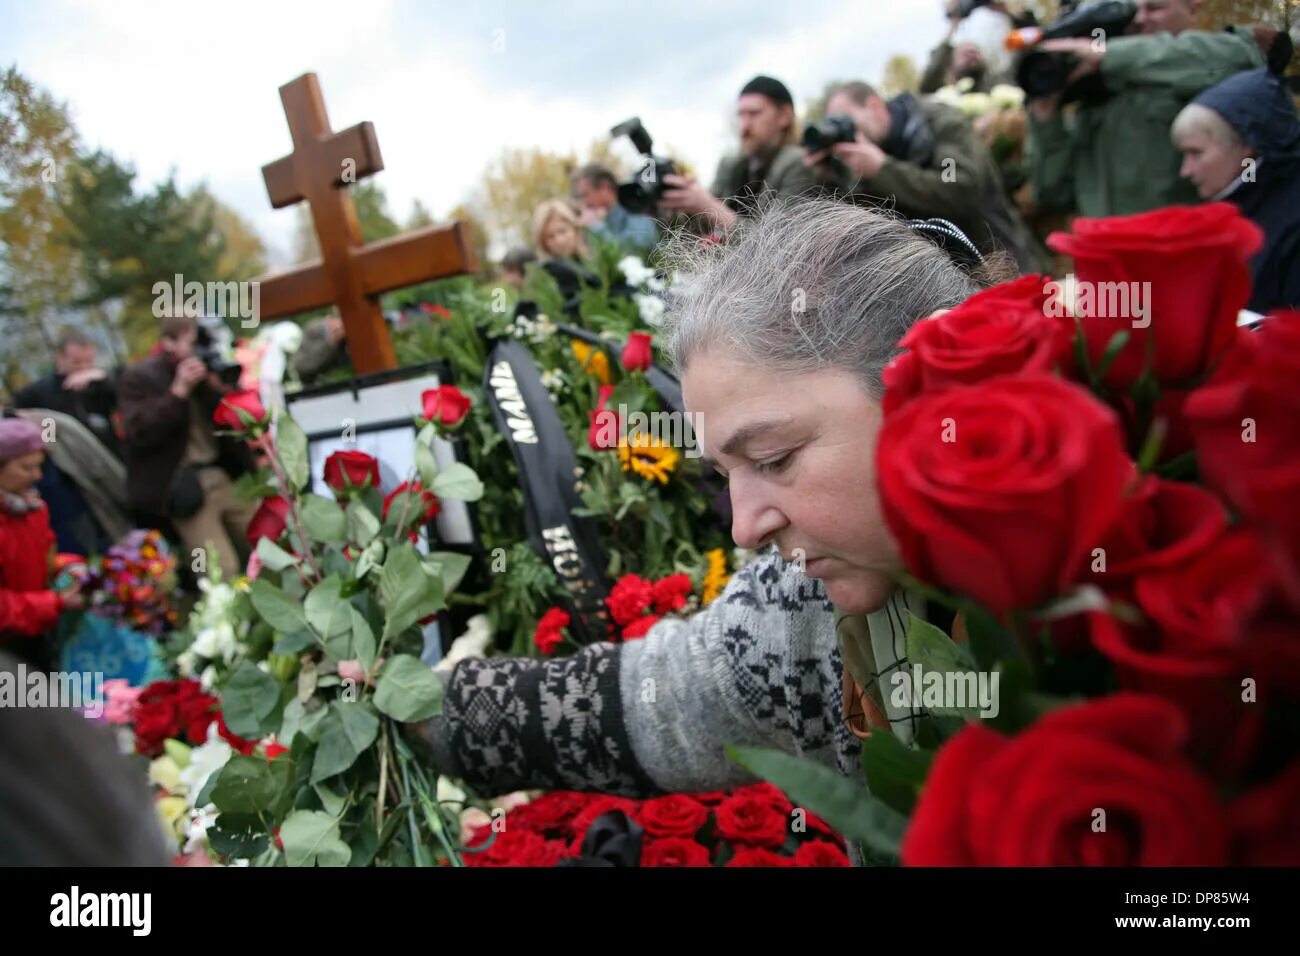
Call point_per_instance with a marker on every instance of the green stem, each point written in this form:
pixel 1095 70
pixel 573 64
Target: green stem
pixel 291 496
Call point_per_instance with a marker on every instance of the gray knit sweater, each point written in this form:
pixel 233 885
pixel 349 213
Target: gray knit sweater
pixel 760 666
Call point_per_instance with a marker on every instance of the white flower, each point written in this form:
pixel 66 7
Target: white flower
pixel 635 271
pixel 204 762
pixel 651 308
pixel 947 94
pixel 976 104
pixel 208 678
pixel 473 643
pixel 1007 97
pixel 553 380
pixel 186 662
pixel 965 84
pixel 196 831
pixel 448 792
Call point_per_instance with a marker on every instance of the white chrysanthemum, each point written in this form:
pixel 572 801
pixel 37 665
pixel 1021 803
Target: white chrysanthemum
pixel 473 643
pixel 634 270
pixel 204 762
pixel 651 308
pixel 553 381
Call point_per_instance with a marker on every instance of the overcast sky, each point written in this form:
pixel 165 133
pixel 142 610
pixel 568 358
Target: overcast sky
pixel 192 87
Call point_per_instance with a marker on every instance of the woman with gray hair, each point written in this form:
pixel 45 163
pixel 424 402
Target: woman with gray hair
pixel 780 336
pixel 1240 141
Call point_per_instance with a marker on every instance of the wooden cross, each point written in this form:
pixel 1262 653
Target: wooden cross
pixel 349 274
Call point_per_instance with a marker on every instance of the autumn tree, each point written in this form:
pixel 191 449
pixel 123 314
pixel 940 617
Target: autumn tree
pixel 900 76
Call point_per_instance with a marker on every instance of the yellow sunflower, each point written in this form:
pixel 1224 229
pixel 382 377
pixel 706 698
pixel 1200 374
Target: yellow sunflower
pixel 650 459
pixel 593 361
pixel 716 577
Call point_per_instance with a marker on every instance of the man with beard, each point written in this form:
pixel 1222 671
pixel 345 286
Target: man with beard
pixel 768 161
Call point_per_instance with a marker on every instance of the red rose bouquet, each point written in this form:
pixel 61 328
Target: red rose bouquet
pixel 1097 482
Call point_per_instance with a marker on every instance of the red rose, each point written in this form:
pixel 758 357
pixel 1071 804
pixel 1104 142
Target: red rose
pixel 1162 524
pixel 674 851
pixel 750 856
pixel 769 793
pixel 446 405
pixel 999 491
pixel 628 598
pixel 1194 260
pixel 598 807
pixel 550 814
pixel 751 820
pixel 1002 330
pixel 669 594
pixel 430 505
pixel 349 471
pixel 510 848
pixel 247 402
pixel 640 627
pixel 274 749
pixel 1266 830
pixel 541 853
pixel 1246 424
pixel 820 853
pixel 602 435
pixel 1038 798
pixel 547 635
pixel 675 815
pixel 269 520
pixel 153 725
pixel 240 745
pixel 637 354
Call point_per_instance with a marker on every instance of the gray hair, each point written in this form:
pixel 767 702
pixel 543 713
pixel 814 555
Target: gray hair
pixel 809 284
pixel 1195 118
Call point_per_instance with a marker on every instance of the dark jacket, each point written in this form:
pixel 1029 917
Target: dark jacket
pixel 157 424
pixel 1259 108
pixel 1115 158
pixel 937 166
pixel 93 406
pixel 785 174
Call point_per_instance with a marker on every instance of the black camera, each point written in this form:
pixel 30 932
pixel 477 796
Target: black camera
pixel 1042 73
pixel 641 193
pixel 836 128
pixel 207 352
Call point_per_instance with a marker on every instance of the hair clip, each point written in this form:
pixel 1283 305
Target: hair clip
pixel 942 227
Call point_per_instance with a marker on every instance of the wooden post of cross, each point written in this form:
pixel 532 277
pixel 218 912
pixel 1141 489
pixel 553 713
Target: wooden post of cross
pixel 349 274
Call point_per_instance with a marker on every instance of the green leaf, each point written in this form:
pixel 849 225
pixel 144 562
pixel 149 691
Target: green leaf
pixel 324 520
pixel 327 612
pixel 276 608
pixel 841 802
pixel 311 838
pixel 1113 348
pixel 895 772
pixel 238 836
pixel 250 701
pixel 935 653
pixel 426 465
pixel 251 784
pixel 451 567
pixel 363 639
pixel 291 442
pixel 362 525
pixel 274 557
pixel 408 690
pixel 333 803
pixel 347 731
pixel 253 485
pixel 292 644
pixel 457 481
pixel 407 593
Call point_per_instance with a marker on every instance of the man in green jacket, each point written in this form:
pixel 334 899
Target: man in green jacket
pixel 1114 157
pixel 768 161
pixel 924 159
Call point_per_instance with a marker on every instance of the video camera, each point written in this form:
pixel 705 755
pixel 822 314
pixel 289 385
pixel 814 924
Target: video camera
pixel 1042 73
pixel 641 193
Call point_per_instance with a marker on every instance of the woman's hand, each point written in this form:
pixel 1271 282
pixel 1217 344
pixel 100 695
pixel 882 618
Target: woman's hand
pixel 71 599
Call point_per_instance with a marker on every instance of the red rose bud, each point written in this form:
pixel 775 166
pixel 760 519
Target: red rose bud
pixel 447 405
pixel 269 520
pixel 1174 279
pixel 429 502
pixel 637 354
pixel 349 471
pixel 274 749
pixel 249 403
pixel 603 433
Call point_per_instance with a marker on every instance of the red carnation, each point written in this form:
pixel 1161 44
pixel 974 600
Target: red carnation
pixel 549 632
pixel 640 627
pixel 628 598
pixel 447 405
pixel 669 594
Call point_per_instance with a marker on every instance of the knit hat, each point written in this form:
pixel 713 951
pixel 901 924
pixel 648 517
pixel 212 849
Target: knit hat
pixel 773 89
pixel 17 438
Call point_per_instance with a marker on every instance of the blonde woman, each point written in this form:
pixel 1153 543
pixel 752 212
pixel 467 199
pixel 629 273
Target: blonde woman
pixel 557 232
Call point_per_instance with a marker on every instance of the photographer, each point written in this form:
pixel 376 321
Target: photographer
pixel 925 160
pixel 178 468
pixel 768 161
pixel 959 56
pixel 1113 156
pixel 596 190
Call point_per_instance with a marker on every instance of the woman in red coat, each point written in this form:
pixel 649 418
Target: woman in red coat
pixel 29 609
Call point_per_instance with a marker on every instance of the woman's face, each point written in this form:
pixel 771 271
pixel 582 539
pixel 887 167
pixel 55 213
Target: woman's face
pixel 560 238
pixel 799 455
pixel 19 475
pixel 1209 164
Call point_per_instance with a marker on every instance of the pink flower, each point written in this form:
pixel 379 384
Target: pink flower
pixel 254 567
pixel 119 701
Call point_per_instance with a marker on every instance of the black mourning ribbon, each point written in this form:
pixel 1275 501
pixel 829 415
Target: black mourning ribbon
pixel 611 840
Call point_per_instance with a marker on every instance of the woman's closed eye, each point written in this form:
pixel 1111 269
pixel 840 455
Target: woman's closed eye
pixel 774 465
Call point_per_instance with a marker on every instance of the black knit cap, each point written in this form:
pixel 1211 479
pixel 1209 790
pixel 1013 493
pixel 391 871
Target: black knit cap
pixel 773 89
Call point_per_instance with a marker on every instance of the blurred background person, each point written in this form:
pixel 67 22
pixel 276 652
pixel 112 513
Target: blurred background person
pixel 601 214
pixel 79 386
pixel 1240 142
pixel 513 264
pixel 768 161
pixel 29 607
pixel 973 29
pixel 324 348
pixel 557 233
pixel 925 160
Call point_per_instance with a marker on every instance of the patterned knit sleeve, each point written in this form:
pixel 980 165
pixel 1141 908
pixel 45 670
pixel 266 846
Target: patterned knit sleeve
pixel 758 666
